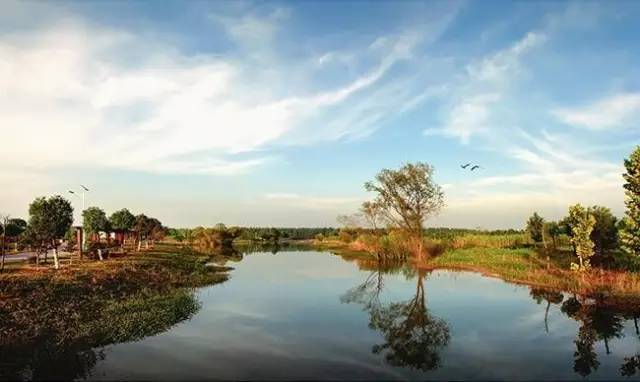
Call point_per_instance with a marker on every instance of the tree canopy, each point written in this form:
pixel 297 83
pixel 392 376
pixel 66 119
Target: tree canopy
pixel 630 236
pixel 581 239
pixel 122 220
pixel 535 227
pixel 406 197
pixel 94 221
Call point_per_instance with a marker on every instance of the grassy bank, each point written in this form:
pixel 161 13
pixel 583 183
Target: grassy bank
pixel 65 313
pixel 529 267
pixel 499 256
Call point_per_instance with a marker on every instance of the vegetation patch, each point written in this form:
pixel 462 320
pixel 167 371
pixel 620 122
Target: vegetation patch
pixel 66 313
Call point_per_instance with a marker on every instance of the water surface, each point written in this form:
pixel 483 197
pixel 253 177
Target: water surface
pixel 313 315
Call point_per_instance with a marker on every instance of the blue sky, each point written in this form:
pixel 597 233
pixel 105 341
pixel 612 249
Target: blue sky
pixel 276 113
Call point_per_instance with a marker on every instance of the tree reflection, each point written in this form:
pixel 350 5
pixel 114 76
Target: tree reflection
pixel 69 352
pixel 412 336
pixel 599 322
pixel 551 297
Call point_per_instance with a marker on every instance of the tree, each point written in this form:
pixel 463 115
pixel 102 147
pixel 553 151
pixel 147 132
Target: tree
pixel 350 221
pixel 94 221
pixel 15 227
pixel 407 197
pixel 122 221
pixel 4 221
pixel 535 226
pixel 49 220
pixel 371 213
pixel 605 231
pixel 630 237
pixel 554 230
pixel 584 223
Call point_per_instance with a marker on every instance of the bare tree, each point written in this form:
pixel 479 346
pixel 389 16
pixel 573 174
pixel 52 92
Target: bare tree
pixel 372 214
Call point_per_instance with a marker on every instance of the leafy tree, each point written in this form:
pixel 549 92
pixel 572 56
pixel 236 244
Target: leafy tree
pixel 10 229
pixel 554 230
pixel 605 231
pixel 406 198
pixel 584 223
pixel 630 237
pixel 566 225
pixel 49 220
pixel 15 227
pixel 535 226
pixel 156 230
pixel 94 221
pixel 149 229
pixel 122 221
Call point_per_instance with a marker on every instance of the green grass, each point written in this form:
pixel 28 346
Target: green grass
pixel 42 304
pixel 529 267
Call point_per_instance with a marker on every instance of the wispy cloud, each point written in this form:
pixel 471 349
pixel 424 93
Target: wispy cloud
pixel 484 83
pixel 617 111
pixel 164 112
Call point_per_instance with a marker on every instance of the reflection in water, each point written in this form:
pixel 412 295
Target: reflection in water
pixel 551 297
pixel 70 352
pixel 598 322
pixel 273 300
pixel 413 337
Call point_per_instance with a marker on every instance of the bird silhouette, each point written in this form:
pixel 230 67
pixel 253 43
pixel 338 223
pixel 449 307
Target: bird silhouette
pixel 465 166
pixel 475 167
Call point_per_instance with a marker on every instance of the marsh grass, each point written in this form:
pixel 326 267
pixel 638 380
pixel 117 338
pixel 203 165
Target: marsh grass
pixel 530 267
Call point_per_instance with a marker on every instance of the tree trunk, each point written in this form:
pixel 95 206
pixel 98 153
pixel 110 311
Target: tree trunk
pixel 2 250
pixel 55 257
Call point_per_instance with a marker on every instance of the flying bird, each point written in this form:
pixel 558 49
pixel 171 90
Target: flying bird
pixel 465 166
pixel 475 167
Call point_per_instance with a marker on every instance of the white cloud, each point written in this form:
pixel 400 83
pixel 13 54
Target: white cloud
pixel 163 112
pixel 484 83
pixel 620 110
pixel 468 117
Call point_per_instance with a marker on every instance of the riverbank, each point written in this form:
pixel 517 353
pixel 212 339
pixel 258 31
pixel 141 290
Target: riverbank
pixel 530 267
pixel 95 303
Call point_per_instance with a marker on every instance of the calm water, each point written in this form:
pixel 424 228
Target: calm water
pixel 312 315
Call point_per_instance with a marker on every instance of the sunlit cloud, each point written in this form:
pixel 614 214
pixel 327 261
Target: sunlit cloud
pixel 618 111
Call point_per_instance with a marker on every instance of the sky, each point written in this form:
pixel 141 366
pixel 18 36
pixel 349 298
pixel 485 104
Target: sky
pixel 276 113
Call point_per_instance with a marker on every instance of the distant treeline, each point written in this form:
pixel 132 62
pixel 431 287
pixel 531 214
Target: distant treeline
pixel 275 234
pixel 257 234
pixel 446 233
pixel 271 233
